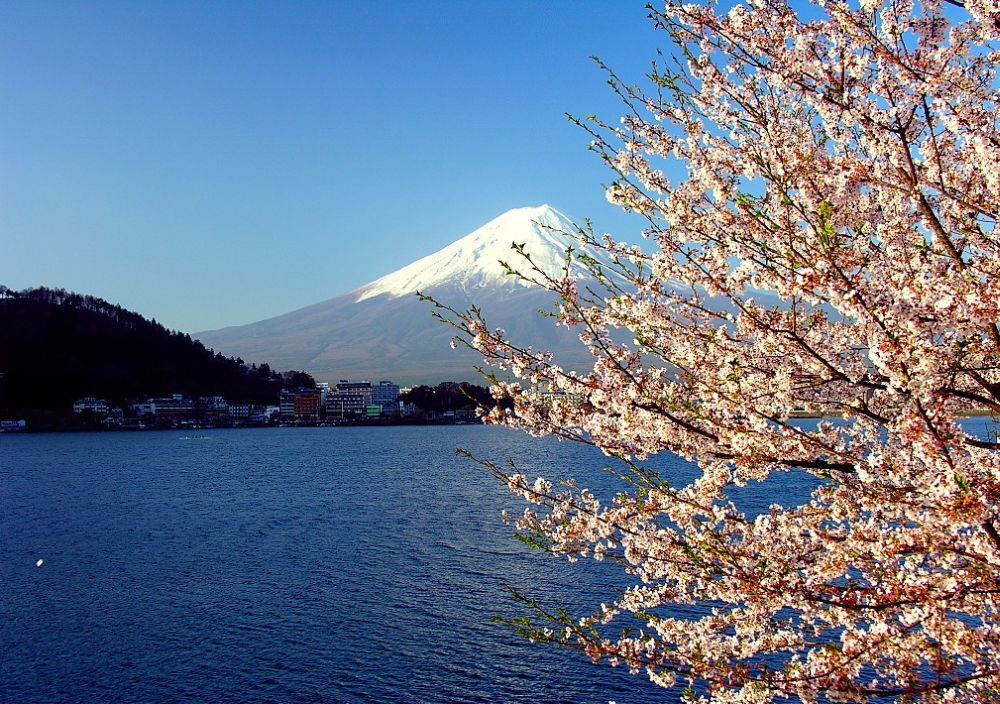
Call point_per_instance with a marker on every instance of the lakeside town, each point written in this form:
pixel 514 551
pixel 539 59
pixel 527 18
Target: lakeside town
pixel 347 402
pixel 75 362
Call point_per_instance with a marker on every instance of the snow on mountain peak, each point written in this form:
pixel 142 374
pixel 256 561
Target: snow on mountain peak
pixel 474 260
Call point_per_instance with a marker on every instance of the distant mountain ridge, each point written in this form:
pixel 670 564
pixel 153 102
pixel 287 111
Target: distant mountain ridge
pixel 381 330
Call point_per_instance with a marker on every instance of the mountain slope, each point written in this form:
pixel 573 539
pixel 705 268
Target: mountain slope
pixel 56 347
pixel 381 330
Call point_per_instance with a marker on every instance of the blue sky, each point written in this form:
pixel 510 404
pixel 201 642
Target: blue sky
pixel 212 164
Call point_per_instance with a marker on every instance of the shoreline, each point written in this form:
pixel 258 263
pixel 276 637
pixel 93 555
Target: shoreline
pixel 346 423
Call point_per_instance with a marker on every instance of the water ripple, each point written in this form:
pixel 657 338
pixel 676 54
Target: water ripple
pixel 285 565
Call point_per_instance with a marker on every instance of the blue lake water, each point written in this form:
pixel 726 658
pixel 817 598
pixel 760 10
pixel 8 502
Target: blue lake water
pixel 287 565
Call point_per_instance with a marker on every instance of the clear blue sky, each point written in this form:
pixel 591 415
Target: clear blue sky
pixel 213 163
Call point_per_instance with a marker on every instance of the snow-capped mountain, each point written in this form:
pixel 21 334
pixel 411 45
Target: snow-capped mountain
pixel 381 330
pixel 474 261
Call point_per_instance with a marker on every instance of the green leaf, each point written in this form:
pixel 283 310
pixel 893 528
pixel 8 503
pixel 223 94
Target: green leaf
pixel 964 485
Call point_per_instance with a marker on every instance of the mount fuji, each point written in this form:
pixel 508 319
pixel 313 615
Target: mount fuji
pixel 382 330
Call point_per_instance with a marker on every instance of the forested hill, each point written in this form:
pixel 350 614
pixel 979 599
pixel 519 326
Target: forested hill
pixel 56 347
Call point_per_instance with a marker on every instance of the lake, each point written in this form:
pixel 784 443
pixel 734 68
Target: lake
pixel 284 565
pixel 294 565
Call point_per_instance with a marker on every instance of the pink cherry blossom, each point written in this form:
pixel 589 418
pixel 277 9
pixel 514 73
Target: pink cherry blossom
pixel 832 248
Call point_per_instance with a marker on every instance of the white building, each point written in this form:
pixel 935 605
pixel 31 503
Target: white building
pixel 89 404
pixel 286 403
pixel 324 391
pixel 349 399
pixel 239 411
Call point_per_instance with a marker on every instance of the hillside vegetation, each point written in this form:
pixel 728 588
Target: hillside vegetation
pixel 57 346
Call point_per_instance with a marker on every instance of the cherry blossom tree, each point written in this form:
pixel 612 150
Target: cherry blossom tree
pixel 831 248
